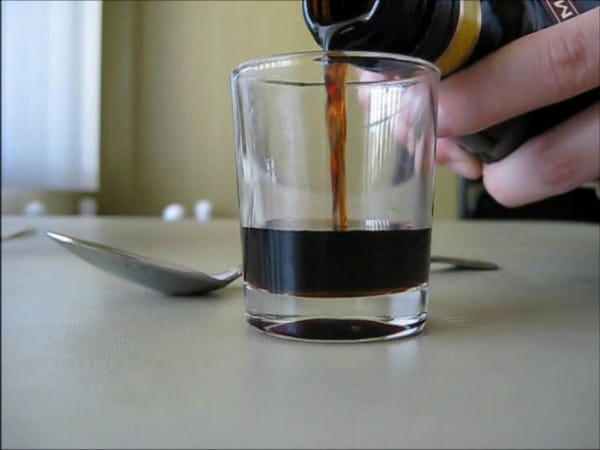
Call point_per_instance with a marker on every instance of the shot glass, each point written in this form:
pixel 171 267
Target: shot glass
pixel 335 171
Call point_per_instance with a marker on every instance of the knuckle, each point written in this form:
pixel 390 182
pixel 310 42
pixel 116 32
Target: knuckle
pixel 566 61
pixel 552 171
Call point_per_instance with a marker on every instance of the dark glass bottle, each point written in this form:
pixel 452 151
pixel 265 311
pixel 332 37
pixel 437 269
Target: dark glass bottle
pixel 452 34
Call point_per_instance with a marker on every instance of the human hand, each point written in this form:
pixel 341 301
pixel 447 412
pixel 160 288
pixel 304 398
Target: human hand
pixel 405 111
pixel 537 70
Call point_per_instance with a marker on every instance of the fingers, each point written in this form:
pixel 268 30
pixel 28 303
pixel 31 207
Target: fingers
pixel 539 69
pixel 550 164
pixel 367 76
pixel 449 153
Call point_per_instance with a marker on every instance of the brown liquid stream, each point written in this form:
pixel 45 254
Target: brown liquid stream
pixel 335 116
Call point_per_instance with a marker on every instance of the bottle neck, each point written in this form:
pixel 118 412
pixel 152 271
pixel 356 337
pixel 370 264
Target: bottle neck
pixel 438 31
pixel 449 33
pixel 366 24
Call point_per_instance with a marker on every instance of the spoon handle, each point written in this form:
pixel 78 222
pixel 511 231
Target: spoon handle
pixel 17 234
pixel 464 263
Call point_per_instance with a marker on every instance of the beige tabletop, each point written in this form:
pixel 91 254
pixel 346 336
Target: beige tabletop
pixel 508 359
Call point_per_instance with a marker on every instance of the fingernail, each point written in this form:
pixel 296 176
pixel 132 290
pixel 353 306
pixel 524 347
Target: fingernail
pixel 463 168
pixel 460 161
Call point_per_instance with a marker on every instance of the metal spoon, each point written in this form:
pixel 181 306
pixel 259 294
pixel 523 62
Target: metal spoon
pixel 163 277
pixel 174 280
pixel 18 234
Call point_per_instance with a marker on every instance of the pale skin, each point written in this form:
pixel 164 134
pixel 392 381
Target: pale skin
pixel 540 69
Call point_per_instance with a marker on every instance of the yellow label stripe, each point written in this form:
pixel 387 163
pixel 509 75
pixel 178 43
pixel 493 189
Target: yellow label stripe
pixel 465 37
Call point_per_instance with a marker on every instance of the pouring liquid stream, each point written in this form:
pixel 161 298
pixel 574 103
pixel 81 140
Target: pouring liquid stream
pixel 335 116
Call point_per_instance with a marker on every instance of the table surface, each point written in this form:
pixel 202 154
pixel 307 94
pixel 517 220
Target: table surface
pixel 508 359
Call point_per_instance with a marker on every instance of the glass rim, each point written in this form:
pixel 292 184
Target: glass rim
pixel 271 62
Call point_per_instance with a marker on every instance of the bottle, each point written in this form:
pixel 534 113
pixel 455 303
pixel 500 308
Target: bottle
pixel 452 34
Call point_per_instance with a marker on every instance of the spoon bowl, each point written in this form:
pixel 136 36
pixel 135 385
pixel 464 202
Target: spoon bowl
pixel 175 280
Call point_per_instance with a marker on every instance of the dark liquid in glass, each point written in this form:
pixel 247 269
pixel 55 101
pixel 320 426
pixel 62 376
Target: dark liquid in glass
pixel 316 263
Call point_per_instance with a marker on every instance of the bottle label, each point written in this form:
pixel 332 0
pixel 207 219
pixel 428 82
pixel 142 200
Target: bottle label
pixel 561 10
pixel 465 37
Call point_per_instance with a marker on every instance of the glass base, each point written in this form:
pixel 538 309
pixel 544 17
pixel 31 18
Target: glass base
pixel 338 319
